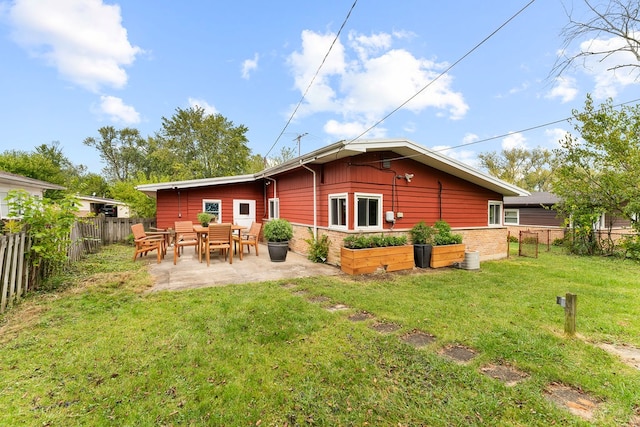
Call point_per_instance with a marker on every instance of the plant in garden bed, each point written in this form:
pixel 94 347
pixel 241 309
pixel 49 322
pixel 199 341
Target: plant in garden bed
pixel 447 247
pixel 361 242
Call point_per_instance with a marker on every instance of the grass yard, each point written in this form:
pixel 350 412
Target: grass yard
pixel 102 352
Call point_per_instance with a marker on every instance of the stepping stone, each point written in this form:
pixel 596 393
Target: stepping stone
pixel 418 338
pixel 458 353
pixel 337 307
pixel 361 316
pixel 505 373
pixel 576 401
pixel 385 328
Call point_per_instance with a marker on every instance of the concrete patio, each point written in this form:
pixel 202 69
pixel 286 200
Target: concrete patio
pixel 188 273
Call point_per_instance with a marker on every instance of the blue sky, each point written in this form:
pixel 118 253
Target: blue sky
pixel 70 67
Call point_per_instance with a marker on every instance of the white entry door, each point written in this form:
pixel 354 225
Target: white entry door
pixel 244 212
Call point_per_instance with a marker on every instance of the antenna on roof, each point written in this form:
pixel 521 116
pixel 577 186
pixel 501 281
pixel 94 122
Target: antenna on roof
pixel 298 138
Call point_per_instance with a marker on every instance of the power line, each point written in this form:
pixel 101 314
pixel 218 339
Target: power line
pixel 314 77
pixel 444 72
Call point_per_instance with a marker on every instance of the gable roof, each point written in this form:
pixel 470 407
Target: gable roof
pixel 402 147
pixel 19 180
pixel 534 199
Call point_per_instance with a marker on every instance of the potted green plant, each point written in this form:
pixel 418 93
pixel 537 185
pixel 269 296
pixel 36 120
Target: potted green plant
pixel 277 233
pixel 204 218
pixel 447 246
pixel 422 238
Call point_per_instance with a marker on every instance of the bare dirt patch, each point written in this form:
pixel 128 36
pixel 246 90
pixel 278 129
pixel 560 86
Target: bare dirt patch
pixel 458 353
pixel 288 285
pixel 418 338
pixel 576 401
pixel 20 318
pixel 360 317
pixel 505 373
pixel 385 328
pixel 628 354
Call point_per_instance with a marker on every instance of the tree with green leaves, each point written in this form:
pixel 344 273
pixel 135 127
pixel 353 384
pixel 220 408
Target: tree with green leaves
pixel 599 172
pixel 528 169
pixel 205 145
pixel 122 150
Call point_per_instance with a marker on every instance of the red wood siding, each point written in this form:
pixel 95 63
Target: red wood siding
pixel 462 204
pixel 186 206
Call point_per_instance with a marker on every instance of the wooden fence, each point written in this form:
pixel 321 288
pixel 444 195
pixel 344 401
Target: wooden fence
pixel 18 276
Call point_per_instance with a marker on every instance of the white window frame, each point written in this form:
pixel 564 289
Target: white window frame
pixel 274 208
pixel 219 202
pixel 491 205
pixel 4 204
pixel 357 196
pixel 339 196
pixel 517 211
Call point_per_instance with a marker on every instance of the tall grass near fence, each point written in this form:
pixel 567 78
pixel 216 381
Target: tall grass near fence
pixel 21 273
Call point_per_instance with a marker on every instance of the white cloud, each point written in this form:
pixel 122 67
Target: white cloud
pixel 514 140
pixel 370 79
pixel 83 39
pixel 467 157
pixel 565 89
pixel 249 65
pixel 469 138
pixel 554 136
pixel 117 111
pixel 208 108
pixel 347 130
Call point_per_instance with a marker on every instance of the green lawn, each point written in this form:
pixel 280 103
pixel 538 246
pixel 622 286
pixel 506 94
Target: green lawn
pixel 104 352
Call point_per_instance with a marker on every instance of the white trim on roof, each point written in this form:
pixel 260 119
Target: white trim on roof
pixel 13 178
pixel 403 147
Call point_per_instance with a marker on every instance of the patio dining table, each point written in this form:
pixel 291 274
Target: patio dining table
pixel 201 233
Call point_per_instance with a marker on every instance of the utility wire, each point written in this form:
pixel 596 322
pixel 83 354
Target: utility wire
pixel 314 77
pixel 444 72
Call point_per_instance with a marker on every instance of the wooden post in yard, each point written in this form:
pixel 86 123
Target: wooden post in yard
pixel 570 314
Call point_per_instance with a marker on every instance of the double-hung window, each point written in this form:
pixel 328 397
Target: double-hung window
pixel 512 216
pixel 274 208
pixel 338 211
pixel 368 211
pixel 495 213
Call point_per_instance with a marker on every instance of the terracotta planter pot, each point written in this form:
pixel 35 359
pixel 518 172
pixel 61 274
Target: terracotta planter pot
pixel 364 261
pixel 447 255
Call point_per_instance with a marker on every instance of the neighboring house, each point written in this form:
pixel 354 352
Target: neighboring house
pixel 536 212
pixel 10 181
pixel 365 186
pixel 533 210
pixel 100 205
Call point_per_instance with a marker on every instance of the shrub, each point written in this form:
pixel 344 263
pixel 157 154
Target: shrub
pixel 422 234
pixel 318 248
pixel 278 230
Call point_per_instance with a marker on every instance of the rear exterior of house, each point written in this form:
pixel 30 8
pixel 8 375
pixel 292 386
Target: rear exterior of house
pixel 366 187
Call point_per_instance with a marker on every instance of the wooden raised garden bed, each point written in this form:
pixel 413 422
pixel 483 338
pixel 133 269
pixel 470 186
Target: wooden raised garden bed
pixel 369 260
pixel 447 255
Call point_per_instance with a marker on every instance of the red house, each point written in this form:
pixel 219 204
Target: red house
pixel 364 186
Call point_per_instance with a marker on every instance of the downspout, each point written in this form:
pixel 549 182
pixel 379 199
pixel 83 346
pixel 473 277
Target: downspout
pixel 440 198
pixel 315 207
pixel 266 196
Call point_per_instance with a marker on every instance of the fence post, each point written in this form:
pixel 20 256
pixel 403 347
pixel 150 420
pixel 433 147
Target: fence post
pixel 571 301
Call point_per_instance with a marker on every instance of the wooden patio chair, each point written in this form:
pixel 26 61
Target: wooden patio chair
pixel 219 237
pixel 147 243
pixel 249 238
pixel 185 236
